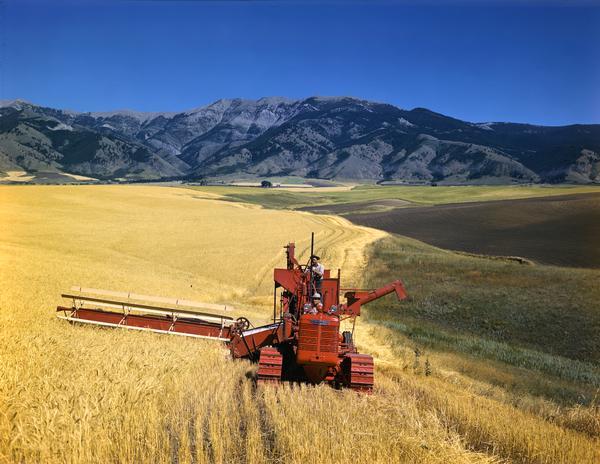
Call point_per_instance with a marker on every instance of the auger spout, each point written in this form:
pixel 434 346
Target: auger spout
pixel 356 298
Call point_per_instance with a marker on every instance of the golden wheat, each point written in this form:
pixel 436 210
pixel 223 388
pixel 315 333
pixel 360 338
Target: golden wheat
pixel 71 394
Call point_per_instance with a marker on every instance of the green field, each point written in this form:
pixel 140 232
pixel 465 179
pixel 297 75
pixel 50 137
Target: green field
pixel 544 318
pixel 280 198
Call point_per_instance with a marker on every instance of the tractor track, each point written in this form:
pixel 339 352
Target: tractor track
pixel 191 431
pixel 268 433
pixel 238 396
pixel 206 440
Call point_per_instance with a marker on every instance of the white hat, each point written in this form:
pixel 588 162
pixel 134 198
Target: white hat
pixel 317 295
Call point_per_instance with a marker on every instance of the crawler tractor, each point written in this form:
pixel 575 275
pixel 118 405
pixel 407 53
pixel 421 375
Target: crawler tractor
pixel 302 344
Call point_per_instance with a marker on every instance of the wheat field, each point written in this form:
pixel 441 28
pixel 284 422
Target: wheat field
pixel 71 394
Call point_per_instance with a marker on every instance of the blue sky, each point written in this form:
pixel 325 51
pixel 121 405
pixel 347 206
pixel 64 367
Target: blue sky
pixel 523 61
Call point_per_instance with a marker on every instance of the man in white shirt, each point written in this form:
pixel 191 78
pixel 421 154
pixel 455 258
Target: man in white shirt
pixel 317 272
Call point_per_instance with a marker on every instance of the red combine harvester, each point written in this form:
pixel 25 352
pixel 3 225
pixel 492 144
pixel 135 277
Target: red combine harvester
pixel 303 343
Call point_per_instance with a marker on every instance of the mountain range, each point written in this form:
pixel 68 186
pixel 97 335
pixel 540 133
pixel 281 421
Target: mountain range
pixel 339 138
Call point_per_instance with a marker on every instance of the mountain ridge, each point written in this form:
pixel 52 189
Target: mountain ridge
pixel 343 138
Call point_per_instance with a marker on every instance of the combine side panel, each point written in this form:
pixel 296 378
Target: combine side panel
pixel 248 343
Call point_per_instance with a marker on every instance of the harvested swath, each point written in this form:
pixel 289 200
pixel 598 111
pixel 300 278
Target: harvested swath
pixel 561 230
pixel 366 206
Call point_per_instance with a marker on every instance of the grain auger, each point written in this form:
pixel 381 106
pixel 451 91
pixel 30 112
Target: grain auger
pixel 302 344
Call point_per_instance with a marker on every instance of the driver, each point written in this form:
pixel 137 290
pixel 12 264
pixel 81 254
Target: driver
pixel 317 306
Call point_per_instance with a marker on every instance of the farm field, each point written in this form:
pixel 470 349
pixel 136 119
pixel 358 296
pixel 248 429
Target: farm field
pixel 485 363
pixel 324 198
pixel 560 230
pixel 552 225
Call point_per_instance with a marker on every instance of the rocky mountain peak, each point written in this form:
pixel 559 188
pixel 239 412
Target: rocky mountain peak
pixel 328 137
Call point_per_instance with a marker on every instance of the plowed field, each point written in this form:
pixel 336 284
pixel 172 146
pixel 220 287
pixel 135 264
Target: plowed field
pixel 561 230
